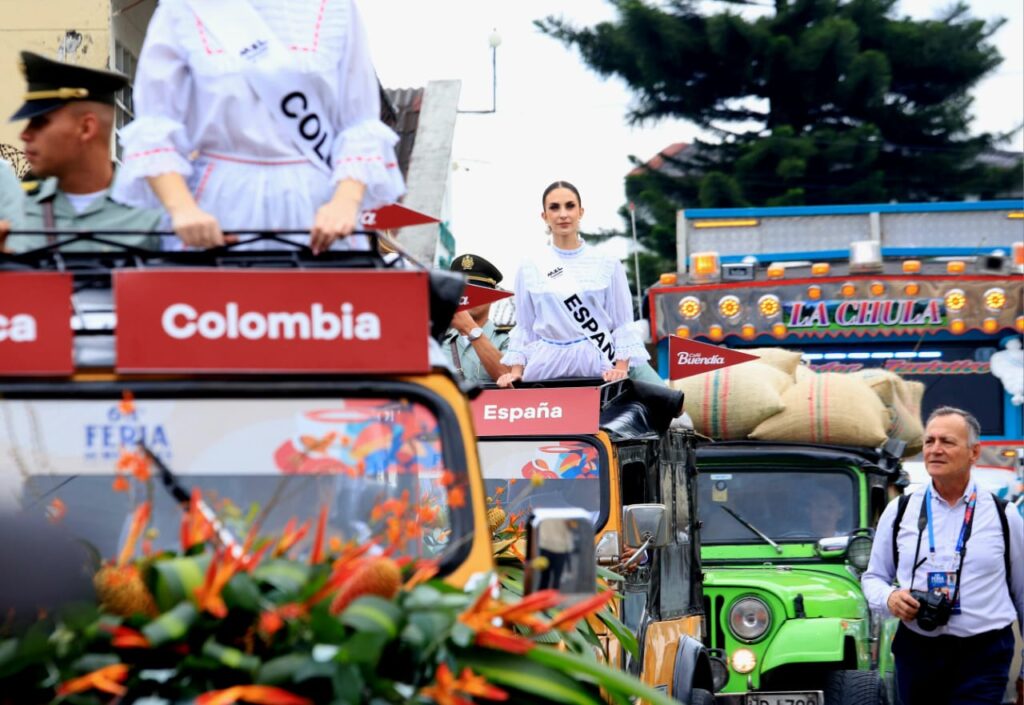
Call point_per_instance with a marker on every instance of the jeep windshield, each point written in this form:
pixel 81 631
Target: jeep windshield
pixel 524 474
pixel 784 505
pixel 383 460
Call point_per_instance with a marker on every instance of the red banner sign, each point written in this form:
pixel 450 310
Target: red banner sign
pixel 688 357
pixel 393 217
pixel 473 296
pixel 557 411
pixel 263 321
pixel 35 324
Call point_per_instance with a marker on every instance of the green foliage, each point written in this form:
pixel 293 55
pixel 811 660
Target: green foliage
pixel 816 102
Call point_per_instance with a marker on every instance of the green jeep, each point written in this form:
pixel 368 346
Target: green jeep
pixel 785 535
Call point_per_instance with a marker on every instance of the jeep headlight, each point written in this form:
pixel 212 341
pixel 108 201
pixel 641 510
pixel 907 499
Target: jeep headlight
pixel 749 618
pixel 858 552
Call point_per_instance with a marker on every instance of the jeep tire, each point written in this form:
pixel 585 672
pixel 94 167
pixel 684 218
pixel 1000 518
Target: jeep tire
pixel 854 688
pixel 699 696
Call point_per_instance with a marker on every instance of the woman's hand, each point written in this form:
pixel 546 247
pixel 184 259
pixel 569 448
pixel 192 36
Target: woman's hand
pixel 620 371
pixel 334 219
pixel 196 227
pixel 506 380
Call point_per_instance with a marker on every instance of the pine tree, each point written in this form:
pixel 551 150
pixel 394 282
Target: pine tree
pixel 813 102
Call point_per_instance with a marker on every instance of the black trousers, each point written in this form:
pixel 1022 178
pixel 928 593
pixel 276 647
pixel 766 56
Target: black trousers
pixel 952 670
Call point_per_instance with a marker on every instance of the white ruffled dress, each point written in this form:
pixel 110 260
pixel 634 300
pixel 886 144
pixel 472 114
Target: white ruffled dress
pixel 197 115
pixel 546 339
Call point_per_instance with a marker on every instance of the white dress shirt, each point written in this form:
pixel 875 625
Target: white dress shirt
pixel 985 602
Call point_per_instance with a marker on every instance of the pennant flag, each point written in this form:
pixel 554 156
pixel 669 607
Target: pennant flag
pixel 688 357
pixel 394 216
pixel 473 296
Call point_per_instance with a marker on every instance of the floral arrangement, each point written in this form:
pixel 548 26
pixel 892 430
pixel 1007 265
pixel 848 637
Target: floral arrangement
pixel 300 618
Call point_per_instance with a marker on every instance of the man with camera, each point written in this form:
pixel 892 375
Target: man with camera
pixel 956 553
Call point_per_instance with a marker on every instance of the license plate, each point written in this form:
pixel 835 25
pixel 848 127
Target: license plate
pixel 804 697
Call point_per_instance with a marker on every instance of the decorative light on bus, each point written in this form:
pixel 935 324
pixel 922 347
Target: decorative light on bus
pixel 776 271
pixel 730 307
pixel 668 279
pixel 1019 323
pixel 1018 255
pixel 814 292
pixel 995 299
pixel 779 330
pixel 1015 215
pixel 957 326
pixel 683 331
pixel 748 332
pixel 911 288
pixel 848 289
pixel 704 266
pixel 877 288
pixel 956 299
pixel 957 266
pixel 690 307
pixel 715 332
pixel 911 266
pixel 820 269
pixel 990 325
pixel 769 305
pixel 723 223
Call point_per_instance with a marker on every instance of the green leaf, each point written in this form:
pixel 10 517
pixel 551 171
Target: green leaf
pixel 512 671
pixel 373 615
pixel 92 662
pixel 607 677
pixel 230 656
pixel 171 625
pixel 433 625
pixel 363 648
pixel 462 635
pixel 288 577
pixel 242 592
pixel 606 574
pixel 281 669
pixel 176 579
pixel 423 597
pixel 620 631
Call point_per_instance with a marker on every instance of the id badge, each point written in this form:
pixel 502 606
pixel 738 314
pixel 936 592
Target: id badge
pixel 944 581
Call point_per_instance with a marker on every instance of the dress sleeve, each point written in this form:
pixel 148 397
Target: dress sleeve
pixel 628 343
pixel 522 334
pixel 364 149
pixel 156 141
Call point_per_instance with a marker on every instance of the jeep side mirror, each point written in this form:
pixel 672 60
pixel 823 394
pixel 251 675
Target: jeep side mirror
pixel 560 552
pixel 645 526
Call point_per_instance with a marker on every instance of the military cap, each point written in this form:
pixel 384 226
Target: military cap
pixel 477 270
pixel 52 84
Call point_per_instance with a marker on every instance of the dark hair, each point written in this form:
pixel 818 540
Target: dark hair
pixel 559 184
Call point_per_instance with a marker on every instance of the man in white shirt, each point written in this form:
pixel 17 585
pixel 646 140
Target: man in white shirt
pixel 952 542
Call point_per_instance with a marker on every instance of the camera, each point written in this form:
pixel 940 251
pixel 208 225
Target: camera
pixel 935 609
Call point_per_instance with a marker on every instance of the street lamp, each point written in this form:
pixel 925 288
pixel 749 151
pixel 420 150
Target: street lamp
pixel 494 41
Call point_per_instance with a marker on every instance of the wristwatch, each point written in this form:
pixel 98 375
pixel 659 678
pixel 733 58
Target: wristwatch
pixel 475 333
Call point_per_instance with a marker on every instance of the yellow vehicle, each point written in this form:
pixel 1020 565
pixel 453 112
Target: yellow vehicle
pixel 609 451
pixel 277 384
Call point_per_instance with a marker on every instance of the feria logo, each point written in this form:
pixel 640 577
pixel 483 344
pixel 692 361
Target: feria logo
pixel 690 358
pixel 182 321
pixel 19 328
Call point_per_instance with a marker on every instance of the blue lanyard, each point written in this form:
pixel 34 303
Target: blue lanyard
pixel 972 500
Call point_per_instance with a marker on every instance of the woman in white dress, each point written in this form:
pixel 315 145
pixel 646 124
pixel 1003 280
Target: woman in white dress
pixel 573 306
pixel 212 149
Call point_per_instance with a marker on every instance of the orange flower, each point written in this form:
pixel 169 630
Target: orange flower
pixel 127 638
pixel 448 690
pixel 457 497
pixel 107 679
pixel 317 553
pixel 120 484
pixel 127 404
pixel 256 694
pixel 132 462
pixel 567 619
pixel 273 620
pixel 195 527
pixel 139 520
pixel 491 631
pixel 290 536
pixel 56 510
pixel 222 568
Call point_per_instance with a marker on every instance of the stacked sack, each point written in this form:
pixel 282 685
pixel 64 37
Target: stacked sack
pixel 777 398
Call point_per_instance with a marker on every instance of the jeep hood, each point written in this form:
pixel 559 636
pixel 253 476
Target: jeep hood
pixel 825 594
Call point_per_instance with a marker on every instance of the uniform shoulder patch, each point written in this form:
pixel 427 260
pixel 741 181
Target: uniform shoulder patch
pixel 31 188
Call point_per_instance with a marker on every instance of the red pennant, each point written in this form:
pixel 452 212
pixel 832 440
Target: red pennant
pixel 394 216
pixel 688 357
pixel 473 296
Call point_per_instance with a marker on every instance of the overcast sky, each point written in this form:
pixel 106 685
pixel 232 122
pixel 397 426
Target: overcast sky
pixel 556 119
